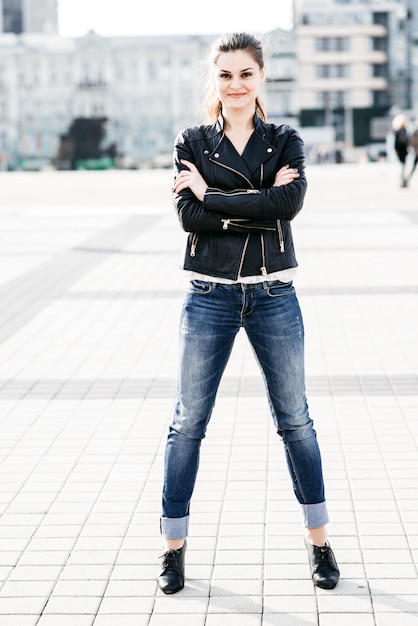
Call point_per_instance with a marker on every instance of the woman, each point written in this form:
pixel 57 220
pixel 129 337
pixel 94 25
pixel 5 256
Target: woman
pixel 239 180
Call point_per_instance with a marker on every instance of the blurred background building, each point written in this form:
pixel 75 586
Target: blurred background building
pixel 355 66
pixel 341 74
pixel 28 16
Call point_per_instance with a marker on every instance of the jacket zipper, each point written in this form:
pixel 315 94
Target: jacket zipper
pixel 231 169
pixel 237 192
pixel 193 245
pixel 280 233
pixel 241 263
pixel 263 256
pixel 235 222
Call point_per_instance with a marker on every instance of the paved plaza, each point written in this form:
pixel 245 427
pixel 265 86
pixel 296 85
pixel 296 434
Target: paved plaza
pixel 90 298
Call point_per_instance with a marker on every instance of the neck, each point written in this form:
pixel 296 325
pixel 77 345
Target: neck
pixel 238 120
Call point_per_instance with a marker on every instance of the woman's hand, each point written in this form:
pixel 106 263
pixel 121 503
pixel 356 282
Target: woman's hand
pixel 190 179
pixel 285 175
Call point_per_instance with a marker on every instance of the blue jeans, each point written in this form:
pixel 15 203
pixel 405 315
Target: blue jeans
pixel 212 315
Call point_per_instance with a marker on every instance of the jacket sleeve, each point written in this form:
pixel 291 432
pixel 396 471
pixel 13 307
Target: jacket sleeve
pixel 193 214
pixel 279 202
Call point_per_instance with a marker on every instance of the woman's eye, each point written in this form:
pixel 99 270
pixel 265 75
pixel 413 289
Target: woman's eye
pixel 224 76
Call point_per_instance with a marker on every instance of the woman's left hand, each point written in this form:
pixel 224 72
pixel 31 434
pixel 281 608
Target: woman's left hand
pixel 285 176
pixel 190 179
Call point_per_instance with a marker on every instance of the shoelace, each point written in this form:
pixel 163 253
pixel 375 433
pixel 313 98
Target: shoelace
pixel 170 559
pixel 325 553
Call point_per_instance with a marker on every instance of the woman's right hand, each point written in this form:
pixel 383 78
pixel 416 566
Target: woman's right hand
pixel 285 175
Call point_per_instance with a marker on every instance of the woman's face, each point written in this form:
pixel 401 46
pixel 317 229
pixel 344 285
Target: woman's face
pixel 238 80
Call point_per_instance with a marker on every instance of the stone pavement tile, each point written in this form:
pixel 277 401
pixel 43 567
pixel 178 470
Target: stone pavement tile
pixel 181 603
pixel 27 588
pixel 65 620
pixel 289 604
pixel 391 571
pixel 32 572
pixel 177 619
pixel 236 603
pixel 393 586
pixel 395 604
pixel 30 605
pixel 402 619
pixel 359 619
pixel 80 588
pixel 225 619
pixel 222 587
pixel 126 604
pixel 128 620
pixel 288 587
pixel 132 572
pixel 77 605
pixel 334 603
pixel 290 619
pixel 19 620
pixel 239 557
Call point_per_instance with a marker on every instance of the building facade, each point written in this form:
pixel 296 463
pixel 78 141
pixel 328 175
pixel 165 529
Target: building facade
pixel 147 88
pixel 28 16
pixel 354 62
pixel 344 70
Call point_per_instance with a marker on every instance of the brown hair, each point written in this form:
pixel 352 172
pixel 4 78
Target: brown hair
pixel 211 106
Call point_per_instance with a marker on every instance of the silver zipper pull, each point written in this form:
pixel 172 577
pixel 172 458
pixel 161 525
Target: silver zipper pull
pixel 282 246
pixel 193 250
pixel 263 271
pixel 225 224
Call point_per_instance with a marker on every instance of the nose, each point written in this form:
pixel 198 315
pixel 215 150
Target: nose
pixel 236 82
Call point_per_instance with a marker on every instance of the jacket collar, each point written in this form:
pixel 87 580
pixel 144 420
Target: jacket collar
pixel 258 123
pixel 258 150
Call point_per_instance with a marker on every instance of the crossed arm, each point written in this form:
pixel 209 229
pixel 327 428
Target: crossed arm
pixel 193 180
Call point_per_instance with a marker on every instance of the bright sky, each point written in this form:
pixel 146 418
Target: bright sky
pixel 171 17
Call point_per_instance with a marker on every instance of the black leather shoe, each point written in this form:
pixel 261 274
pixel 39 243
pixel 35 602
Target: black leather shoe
pixel 324 568
pixel 171 577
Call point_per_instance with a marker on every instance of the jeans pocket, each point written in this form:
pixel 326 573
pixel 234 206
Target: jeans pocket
pixel 277 289
pixel 199 287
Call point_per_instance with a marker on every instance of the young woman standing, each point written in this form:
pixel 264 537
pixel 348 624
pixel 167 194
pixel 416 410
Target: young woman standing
pixel 238 182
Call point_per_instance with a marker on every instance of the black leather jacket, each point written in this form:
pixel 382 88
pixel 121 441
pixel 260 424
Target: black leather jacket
pixel 242 227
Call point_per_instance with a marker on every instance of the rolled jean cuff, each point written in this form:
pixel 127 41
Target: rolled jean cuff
pixel 174 527
pixel 315 515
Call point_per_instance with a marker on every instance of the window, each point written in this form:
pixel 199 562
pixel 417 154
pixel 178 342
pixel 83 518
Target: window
pixel 185 70
pixel 333 70
pixel 380 18
pixel 152 71
pixel 332 44
pixel 380 43
pixel 331 99
pixel 381 99
pixel 380 70
pixel 3 110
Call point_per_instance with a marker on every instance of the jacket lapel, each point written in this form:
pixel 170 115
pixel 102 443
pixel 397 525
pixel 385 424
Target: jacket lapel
pixel 256 152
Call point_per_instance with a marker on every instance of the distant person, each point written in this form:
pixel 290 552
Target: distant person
pixel 402 146
pixel 414 144
pixel 239 181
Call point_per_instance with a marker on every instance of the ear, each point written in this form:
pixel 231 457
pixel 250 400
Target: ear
pixel 263 74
